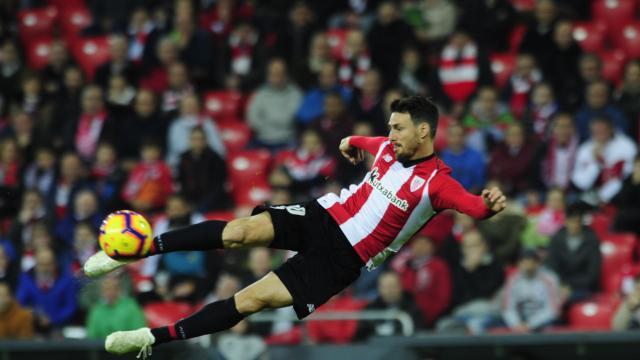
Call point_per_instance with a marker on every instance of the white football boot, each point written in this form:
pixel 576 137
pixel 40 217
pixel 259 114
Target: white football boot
pixel 122 342
pixel 100 263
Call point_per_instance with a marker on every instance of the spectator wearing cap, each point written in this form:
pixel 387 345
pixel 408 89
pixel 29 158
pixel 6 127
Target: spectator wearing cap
pixel 603 161
pixel 531 299
pixel 574 254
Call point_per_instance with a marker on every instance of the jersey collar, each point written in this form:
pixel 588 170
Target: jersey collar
pixel 413 162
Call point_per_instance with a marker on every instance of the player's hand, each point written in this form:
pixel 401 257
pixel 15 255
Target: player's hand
pixel 494 199
pixel 351 153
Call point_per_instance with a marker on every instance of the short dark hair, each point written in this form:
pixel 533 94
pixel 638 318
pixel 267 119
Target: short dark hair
pixel 420 109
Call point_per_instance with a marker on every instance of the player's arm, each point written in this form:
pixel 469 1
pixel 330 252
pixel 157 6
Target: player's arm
pixel 352 147
pixel 449 194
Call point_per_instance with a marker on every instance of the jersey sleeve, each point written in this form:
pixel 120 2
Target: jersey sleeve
pixel 369 144
pixel 447 193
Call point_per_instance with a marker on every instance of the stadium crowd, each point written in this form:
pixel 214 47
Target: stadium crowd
pixel 185 110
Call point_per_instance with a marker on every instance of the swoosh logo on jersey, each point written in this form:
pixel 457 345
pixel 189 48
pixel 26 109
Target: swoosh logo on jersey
pixel 416 183
pixel 372 180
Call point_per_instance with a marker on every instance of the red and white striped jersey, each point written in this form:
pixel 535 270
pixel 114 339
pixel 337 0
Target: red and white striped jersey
pixel 395 200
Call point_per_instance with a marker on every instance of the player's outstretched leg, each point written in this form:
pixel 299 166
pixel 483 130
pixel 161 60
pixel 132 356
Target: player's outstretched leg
pixel 268 292
pixel 242 233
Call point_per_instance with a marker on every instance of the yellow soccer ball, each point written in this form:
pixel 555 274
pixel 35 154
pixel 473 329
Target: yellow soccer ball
pixel 125 234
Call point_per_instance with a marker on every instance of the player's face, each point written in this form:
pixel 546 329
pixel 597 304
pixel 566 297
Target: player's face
pixel 404 135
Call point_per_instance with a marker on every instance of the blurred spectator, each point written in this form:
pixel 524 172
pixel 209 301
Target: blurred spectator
pixel 314 101
pixel 32 211
pixel 590 69
pixel 67 105
pixel 108 176
pixel 559 152
pixel 53 72
pixel 511 162
pixel 432 20
pixel 191 116
pixel 15 321
pixel 541 110
pixel 392 297
pixel 603 161
pixel 202 174
pixel 41 174
pixel 237 343
pixel 178 86
pixel 355 60
pixel 149 183
pixel 8 269
pixel 413 72
pixel 85 208
pixel 538 37
pixel 221 17
pixel 308 72
pixel 49 291
pixel 22 129
pixel 295 35
pixel 504 230
pixel 467 164
pixel 114 312
pixel 11 70
pixel 305 169
pixel 548 222
pixel 144 122
pixel 244 56
pixel 32 100
pixel 10 170
pixel 367 103
pixel 71 178
pixel 521 83
pixel 259 264
pixel 156 77
pixel 40 238
pixel 487 120
pixel 426 277
pixel 574 254
pixel 531 296
pixel 627 200
pixel 271 110
pixel 334 124
pixel 561 66
pixel 489 22
pixel 85 244
pixel 476 279
pixel 118 64
pixel 463 69
pixel 627 316
pixel 598 103
pixel 226 286
pixel 142 36
pixel 628 97
pixel 92 126
pixel 387 38
pixel 120 95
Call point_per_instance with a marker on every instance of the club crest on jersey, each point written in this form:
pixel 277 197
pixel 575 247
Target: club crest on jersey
pixel 390 195
pixel 387 158
pixel 416 183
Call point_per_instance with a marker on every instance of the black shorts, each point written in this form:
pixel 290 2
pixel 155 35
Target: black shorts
pixel 325 264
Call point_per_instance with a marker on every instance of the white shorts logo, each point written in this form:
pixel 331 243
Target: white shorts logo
pixel 292 209
pixel 311 308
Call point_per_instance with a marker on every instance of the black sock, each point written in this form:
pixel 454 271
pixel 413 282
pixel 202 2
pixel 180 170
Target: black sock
pixel 214 317
pixel 206 235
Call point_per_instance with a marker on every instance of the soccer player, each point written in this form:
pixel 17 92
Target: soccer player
pixel 335 236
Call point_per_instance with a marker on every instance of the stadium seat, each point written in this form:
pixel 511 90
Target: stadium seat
pixel 91 53
pixel 629 39
pixel 37 52
pixel 67 4
pixel 590 35
pixel 615 14
pixel 248 173
pixel 440 141
pixel 502 66
pixel 220 215
pixel 163 313
pixel 593 315
pixel 613 62
pixel 73 20
pixel 235 135
pixel 623 281
pixel 223 106
pixel 617 252
pixel 337 39
pixel 38 22
pixel 515 38
pixel 601 223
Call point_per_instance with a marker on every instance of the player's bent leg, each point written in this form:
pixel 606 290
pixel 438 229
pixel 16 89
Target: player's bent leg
pixel 252 231
pixel 268 292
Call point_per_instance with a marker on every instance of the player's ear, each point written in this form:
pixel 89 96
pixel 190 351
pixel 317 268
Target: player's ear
pixel 424 130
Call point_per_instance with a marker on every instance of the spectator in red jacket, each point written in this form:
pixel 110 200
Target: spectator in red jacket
pixel 425 276
pixel 149 183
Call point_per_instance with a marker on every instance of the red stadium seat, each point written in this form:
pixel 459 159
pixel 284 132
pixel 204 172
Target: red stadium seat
pixel 37 52
pixel 39 22
pixel 235 135
pixel 337 39
pixel 67 4
pixel 613 62
pixel 223 106
pixel 220 215
pixel 248 173
pixel 630 39
pixel 502 66
pixel 590 35
pixel 592 315
pixel 601 223
pixel 73 20
pixel 163 313
pixel 617 252
pixel 623 281
pixel 441 132
pixel 614 13
pixel 91 53
pixel 515 38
